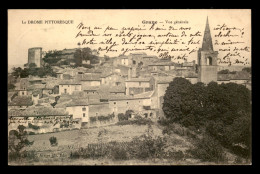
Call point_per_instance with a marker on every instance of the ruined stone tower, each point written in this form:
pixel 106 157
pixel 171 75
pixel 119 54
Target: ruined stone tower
pixel 207 59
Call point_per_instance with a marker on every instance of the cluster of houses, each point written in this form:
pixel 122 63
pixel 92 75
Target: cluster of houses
pixel 136 82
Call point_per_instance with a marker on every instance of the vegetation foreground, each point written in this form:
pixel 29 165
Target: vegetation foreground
pixel 121 145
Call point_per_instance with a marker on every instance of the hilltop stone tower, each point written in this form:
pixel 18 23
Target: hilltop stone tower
pixel 207 59
pixel 35 56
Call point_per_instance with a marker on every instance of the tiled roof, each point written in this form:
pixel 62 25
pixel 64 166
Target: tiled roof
pixel 96 71
pixel 89 88
pixel 117 88
pixel 163 79
pixel 35 79
pixel 161 63
pixel 120 97
pixel 69 82
pixel 144 95
pixel 240 75
pixel 150 56
pixel 36 86
pixel 21 101
pixel 91 77
pixel 223 77
pixel 138 80
pixel 192 75
pixel 129 97
pixel 79 102
pixel 85 102
pixel 106 74
pixel 38 111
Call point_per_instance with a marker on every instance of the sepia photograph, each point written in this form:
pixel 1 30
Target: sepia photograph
pixel 129 87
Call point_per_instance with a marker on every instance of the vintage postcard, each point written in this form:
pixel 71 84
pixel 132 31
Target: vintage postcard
pixel 129 87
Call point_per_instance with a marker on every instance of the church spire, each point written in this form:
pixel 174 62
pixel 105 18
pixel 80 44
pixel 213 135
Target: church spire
pixel 207 40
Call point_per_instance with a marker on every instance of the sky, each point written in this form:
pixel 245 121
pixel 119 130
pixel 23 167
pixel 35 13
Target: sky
pixel 21 37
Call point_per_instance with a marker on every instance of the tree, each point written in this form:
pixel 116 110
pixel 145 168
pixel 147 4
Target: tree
pixel 177 94
pixel 87 54
pixel 224 110
pixel 32 65
pixel 10 86
pixel 78 57
pixel 41 72
pixel 17 140
pixel 106 58
pixel 16 72
pixel 247 69
pixel 52 57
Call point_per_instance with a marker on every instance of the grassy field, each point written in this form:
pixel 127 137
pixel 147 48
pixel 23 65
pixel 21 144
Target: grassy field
pixel 72 140
pixel 69 141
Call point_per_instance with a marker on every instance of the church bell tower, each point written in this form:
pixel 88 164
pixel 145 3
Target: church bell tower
pixel 207 59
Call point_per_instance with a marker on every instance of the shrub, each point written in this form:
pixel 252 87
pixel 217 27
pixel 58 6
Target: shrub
pixel 53 141
pixel 33 126
pixel 128 113
pixel 93 119
pixel 238 160
pixel 208 149
pixel 168 129
pixel 146 146
pixel 122 116
pixel 30 155
pixel 142 147
pixel 119 153
pixel 177 155
pixel 31 133
pixel 141 121
pixel 164 122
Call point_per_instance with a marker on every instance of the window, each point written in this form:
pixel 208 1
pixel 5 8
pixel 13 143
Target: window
pixel 209 61
pixel 22 93
pixel 96 113
pixel 151 114
pixel 65 91
pixel 84 114
pixel 114 103
pixel 84 109
pixel 126 102
pixel 139 83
